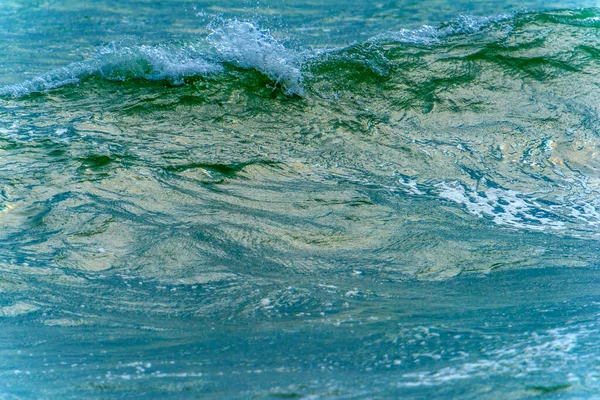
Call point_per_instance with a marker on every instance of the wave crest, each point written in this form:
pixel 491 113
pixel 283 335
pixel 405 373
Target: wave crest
pixel 120 63
pixel 242 44
pixel 246 45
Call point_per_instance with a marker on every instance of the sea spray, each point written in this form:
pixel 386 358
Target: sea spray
pixel 246 45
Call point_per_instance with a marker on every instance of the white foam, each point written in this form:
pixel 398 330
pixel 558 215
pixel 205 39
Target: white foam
pixel 241 43
pixel 579 212
pixel 505 207
pixel 71 74
pixel 246 45
pixel 172 63
pixel 411 186
pixel 115 62
pixel 423 35
pixel 550 351
pixel 16 309
pixel 236 42
pixel 463 24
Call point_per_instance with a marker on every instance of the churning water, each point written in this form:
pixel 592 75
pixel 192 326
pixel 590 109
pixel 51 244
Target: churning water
pixel 299 199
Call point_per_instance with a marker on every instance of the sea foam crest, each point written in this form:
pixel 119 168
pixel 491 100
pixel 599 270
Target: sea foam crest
pixel 246 45
pixel 119 63
pixel 240 43
pixel 172 63
pixel 463 24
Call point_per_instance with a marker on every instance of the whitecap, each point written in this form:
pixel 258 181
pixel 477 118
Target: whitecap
pixel 463 24
pixel 120 63
pixel 246 45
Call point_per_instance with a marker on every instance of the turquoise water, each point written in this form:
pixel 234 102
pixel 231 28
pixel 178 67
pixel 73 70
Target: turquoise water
pixel 299 199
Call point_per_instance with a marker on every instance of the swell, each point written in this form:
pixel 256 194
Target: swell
pixel 234 44
pixel 496 115
pixel 231 43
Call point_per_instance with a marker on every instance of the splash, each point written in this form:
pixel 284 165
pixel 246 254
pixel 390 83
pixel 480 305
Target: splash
pixel 242 44
pixel 246 45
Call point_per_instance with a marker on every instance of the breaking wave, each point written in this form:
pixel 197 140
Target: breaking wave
pixel 494 114
pixel 239 43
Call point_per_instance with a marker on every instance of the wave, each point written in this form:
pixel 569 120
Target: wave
pixel 239 43
pixel 496 115
pixel 246 45
pixel 120 63
pixel 426 35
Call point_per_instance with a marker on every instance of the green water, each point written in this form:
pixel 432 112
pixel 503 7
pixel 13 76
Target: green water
pixel 345 205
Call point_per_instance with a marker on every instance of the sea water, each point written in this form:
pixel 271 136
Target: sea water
pixel 299 199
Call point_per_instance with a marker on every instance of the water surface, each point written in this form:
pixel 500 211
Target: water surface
pixel 299 200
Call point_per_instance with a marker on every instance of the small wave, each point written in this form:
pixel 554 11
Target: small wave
pixel 242 44
pixel 233 43
pixel 464 24
pixel 120 63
